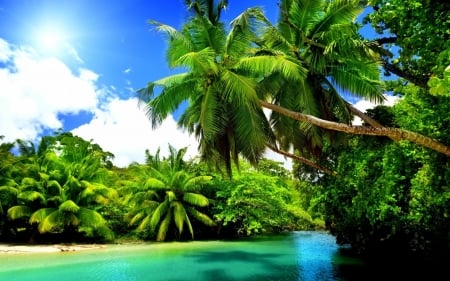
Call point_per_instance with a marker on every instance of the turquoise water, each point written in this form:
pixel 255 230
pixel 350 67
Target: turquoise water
pixel 293 256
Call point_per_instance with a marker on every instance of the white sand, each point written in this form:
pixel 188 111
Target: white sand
pixel 6 248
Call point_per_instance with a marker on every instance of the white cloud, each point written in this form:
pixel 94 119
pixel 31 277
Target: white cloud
pixel 123 129
pixel 34 90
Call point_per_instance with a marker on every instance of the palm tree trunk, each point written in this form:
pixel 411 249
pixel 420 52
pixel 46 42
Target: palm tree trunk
pixel 393 133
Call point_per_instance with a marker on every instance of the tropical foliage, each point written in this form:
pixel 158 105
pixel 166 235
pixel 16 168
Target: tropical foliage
pixel 377 195
pixel 61 187
pixel 167 196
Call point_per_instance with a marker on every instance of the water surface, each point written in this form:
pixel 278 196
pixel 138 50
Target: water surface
pixel 293 256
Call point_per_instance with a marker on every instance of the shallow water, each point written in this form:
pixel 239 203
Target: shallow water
pixel 294 256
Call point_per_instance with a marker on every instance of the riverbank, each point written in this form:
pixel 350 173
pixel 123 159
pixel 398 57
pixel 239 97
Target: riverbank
pixel 12 249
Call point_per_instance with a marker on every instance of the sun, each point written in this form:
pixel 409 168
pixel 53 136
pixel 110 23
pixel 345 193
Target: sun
pixel 50 39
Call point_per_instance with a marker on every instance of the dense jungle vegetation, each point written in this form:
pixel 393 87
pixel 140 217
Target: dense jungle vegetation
pixel 383 187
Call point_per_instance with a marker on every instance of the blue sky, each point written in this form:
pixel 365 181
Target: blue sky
pixel 76 65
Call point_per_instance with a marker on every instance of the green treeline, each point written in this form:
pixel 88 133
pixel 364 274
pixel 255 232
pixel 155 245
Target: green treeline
pixel 251 85
pixel 66 189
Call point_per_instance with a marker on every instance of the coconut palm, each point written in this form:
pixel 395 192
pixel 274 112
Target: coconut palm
pixel 168 197
pixel 294 72
pixel 321 36
pixel 219 85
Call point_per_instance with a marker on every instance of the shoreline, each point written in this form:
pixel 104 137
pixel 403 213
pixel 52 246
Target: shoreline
pixel 43 248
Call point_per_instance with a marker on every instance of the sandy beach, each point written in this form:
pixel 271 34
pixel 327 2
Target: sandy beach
pixel 11 249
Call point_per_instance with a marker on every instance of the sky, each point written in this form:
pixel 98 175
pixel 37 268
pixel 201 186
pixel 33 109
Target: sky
pixel 76 66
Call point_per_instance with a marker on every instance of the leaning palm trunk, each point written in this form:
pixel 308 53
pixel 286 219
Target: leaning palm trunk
pixel 393 133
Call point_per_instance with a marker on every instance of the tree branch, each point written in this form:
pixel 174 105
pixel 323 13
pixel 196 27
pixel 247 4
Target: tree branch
pixel 418 81
pixel 393 133
pixel 385 40
pixel 303 160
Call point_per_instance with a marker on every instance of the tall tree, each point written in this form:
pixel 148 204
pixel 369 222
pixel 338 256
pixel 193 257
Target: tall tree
pixel 229 79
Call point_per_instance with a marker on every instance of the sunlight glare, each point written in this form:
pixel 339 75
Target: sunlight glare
pixel 50 39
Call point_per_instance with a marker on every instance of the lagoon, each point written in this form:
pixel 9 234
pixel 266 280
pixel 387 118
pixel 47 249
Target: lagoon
pixel 302 255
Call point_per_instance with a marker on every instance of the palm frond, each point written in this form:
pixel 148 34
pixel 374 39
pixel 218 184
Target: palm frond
pixel 105 232
pixel 358 78
pixel 144 224
pixel 31 196
pixel 138 218
pixel 202 61
pixel 210 118
pixel 195 199
pixel 304 14
pixel 337 12
pixel 159 212
pixel 201 217
pixel 171 97
pixel 179 215
pixel 90 218
pixel 164 226
pixel 69 206
pixel 53 222
pixel 41 214
pixel 238 88
pixel 154 183
pixel 173 33
pixel 195 183
pixel 19 212
pixel 245 30
pixel 265 65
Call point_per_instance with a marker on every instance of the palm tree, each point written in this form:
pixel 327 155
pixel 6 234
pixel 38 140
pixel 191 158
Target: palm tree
pixel 62 187
pixel 231 76
pixel 220 84
pixel 168 196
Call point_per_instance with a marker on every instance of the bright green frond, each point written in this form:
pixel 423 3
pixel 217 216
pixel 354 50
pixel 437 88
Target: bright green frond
pixel 154 183
pixel 179 215
pixel 245 30
pixel 173 34
pixel 195 199
pixel 29 183
pixel 90 218
pixel 304 14
pixel 31 196
pixel 105 232
pixel 69 206
pixel 202 61
pixel 41 214
pixel 53 222
pixel 210 118
pixel 158 214
pixel 352 79
pixel 144 224
pixel 175 90
pixel 54 187
pixel 265 65
pixel 337 12
pixel 19 212
pixel 201 217
pixel 164 226
pixel 195 183
pixel 238 88
pixel 137 218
